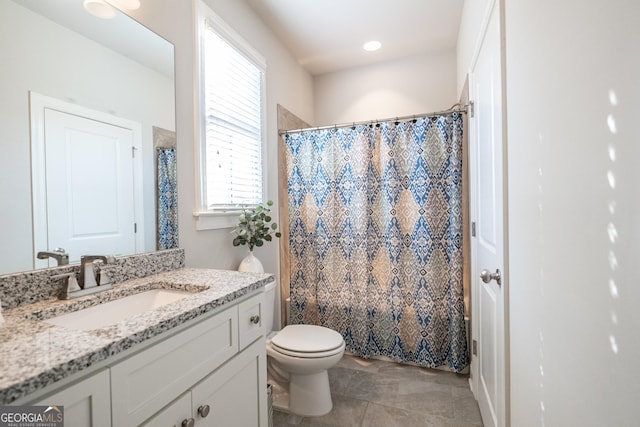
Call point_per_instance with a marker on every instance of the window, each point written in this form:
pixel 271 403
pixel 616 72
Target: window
pixel 231 128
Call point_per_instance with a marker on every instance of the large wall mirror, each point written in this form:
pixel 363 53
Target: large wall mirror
pixel 55 55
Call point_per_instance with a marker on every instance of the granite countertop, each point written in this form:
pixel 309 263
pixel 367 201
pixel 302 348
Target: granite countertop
pixel 34 354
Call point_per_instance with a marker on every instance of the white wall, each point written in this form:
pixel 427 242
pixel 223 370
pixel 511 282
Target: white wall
pixel 41 56
pixel 408 86
pixel 287 84
pixel 573 71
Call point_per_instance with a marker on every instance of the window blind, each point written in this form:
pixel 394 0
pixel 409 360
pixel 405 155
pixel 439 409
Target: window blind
pixel 233 126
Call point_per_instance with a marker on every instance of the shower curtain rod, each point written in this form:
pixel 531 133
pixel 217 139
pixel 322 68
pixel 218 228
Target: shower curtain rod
pixel 462 109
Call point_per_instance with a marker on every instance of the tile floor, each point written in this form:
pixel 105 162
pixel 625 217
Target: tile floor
pixel 375 393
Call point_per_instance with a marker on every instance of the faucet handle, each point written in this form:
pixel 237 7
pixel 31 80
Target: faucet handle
pixel 70 283
pixel 102 277
pixel 67 276
pixel 99 261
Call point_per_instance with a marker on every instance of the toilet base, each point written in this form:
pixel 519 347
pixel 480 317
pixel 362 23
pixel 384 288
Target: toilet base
pixel 305 395
pixel 309 395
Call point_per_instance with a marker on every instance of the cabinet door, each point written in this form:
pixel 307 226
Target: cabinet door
pixel 173 415
pixel 86 403
pixel 236 394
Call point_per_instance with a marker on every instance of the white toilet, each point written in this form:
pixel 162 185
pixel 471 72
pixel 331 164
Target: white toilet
pixel 298 358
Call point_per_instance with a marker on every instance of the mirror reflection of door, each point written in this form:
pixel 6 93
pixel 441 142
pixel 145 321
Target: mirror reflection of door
pixel 89 202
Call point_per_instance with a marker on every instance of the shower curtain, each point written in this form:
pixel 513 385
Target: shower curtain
pixel 164 142
pixel 375 233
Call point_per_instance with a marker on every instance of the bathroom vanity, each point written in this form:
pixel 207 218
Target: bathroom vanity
pixel 197 361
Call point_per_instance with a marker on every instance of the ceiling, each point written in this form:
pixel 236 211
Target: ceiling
pixel 327 35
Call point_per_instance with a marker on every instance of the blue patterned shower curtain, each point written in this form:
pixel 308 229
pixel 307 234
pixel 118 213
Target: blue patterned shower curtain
pixel 375 231
pixel 167 191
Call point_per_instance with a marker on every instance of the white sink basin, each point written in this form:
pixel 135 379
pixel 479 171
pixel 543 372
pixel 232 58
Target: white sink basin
pixel 112 312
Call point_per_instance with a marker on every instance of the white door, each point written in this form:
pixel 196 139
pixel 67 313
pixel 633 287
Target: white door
pixel 489 368
pixel 89 176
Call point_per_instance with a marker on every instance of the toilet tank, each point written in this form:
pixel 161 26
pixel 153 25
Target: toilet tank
pixel 269 306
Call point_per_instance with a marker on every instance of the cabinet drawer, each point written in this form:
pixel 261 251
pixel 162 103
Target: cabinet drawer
pixel 251 320
pixel 146 382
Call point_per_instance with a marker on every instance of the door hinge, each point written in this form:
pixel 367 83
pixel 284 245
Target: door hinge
pixel 473 229
pixel 474 348
pixel 472 110
pixel 135 227
pixel 133 152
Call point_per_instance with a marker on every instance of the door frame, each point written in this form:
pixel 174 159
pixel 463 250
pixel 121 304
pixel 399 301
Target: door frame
pixel 38 103
pixel 473 210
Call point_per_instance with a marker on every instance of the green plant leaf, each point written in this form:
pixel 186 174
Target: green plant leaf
pixel 255 226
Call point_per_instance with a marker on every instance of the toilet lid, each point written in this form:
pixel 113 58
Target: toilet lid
pixel 307 339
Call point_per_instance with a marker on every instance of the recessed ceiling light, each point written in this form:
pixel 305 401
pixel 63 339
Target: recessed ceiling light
pixel 372 45
pixel 99 8
pixel 105 8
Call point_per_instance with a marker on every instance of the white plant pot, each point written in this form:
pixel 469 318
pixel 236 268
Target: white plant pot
pixel 251 264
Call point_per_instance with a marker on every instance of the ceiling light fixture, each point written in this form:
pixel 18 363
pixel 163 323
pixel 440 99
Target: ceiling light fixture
pixel 99 8
pixel 372 45
pixel 105 8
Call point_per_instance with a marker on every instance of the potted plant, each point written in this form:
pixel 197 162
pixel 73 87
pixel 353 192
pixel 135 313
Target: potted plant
pixel 254 227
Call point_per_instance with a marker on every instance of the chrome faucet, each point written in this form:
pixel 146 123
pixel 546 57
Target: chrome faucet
pixel 59 254
pixel 89 280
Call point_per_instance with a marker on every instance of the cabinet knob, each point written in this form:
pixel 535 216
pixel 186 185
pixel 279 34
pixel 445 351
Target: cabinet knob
pixel 255 319
pixel 203 411
pixel 189 422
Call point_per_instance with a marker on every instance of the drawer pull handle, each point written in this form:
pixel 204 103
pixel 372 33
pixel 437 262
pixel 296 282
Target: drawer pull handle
pixel 203 411
pixel 189 422
pixel 255 319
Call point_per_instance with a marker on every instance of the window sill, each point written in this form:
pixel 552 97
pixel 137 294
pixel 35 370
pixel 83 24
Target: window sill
pixel 216 220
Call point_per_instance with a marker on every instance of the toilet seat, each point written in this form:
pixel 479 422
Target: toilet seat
pixel 307 341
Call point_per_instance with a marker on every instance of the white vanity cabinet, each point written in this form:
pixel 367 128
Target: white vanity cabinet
pixel 86 403
pixel 212 372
